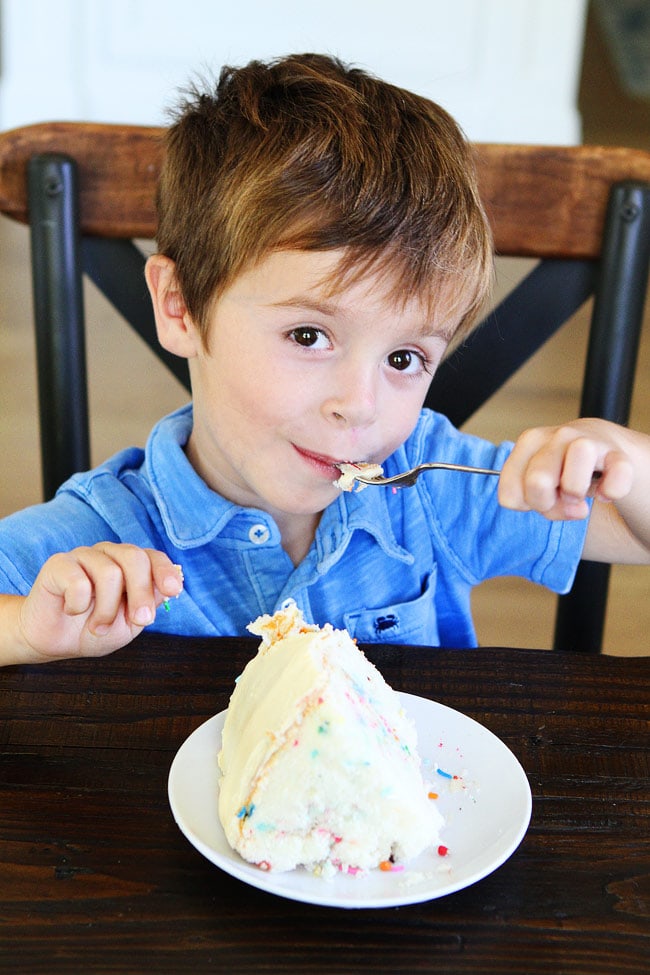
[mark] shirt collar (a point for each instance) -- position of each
(191, 512)
(365, 510)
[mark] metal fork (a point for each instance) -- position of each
(408, 478)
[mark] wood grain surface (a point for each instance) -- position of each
(96, 877)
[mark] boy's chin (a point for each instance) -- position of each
(312, 503)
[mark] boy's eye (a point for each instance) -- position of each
(308, 336)
(406, 361)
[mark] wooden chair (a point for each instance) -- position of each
(87, 191)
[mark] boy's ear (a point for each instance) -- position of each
(176, 330)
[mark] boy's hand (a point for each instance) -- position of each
(553, 470)
(91, 601)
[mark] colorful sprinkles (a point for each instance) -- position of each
(389, 867)
(246, 811)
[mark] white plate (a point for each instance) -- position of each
(487, 810)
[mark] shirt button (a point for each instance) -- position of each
(259, 534)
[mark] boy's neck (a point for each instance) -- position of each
(297, 533)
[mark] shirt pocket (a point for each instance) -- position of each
(412, 622)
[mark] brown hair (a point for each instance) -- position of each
(307, 153)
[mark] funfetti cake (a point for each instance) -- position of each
(319, 761)
(350, 472)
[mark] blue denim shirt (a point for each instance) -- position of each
(391, 566)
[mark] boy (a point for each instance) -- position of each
(321, 246)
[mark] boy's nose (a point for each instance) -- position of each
(355, 403)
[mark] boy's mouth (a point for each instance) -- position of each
(328, 465)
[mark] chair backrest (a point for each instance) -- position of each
(87, 191)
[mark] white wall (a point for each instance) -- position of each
(507, 69)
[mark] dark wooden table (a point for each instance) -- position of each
(96, 877)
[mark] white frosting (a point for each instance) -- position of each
(350, 473)
(319, 760)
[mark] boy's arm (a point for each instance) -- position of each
(87, 602)
(551, 469)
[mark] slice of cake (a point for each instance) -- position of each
(319, 761)
(350, 472)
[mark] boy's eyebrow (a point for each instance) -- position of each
(443, 332)
(324, 307)
(309, 302)
(430, 331)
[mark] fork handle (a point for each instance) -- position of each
(440, 465)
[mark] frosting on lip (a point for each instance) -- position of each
(347, 470)
(350, 472)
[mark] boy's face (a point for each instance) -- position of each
(297, 380)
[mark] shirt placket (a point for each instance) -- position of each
(267, 565)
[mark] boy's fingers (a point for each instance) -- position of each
(147, 578)
(552, 471)
(167, 576)
(138, 582)
(577, 461)
(617, 478)
(527, 477)
(63, 576)
(108, 580)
